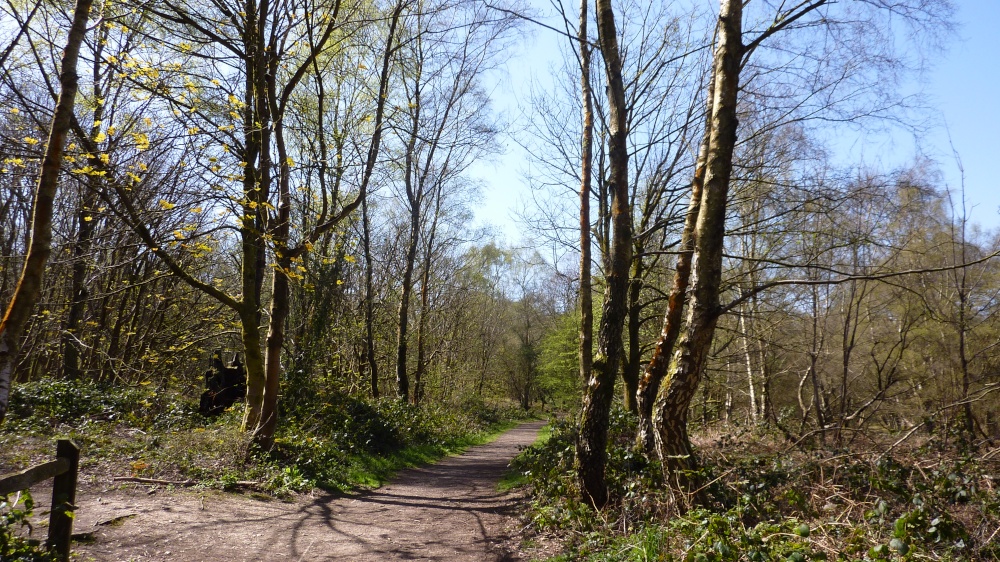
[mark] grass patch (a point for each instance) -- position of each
(515, 477)
(332, 441)
(326, 439)
(373, 470)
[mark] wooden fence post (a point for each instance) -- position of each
(64, 500)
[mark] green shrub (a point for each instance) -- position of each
(767, 501)
(48, 403)
(14, 521)
(326, 438)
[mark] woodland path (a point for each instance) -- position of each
(448, 511)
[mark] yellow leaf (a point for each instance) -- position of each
(166, 205)
(141, 141)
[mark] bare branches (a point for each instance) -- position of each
(846, 279)
(781, 21)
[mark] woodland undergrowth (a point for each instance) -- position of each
(931, 498)
(328, 439)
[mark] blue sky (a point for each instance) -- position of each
(965, 87)
(962, 87)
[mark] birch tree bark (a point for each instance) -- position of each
(731, 54)
(652, 378)
(672, 443)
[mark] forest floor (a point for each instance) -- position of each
(448, 511)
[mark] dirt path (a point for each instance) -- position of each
(450, 511)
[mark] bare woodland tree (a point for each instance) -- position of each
(592, 445)
(731, 55)
(26, 294)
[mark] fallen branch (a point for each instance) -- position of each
(114, 521)
(185, 483)
(153, 481)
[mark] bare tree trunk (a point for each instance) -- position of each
(649, 384)
(78, 288)
(256, 185)
(961, 279)
(28, 287)
(418, 375)
(373, 151)
(369, 302)
(586, 164)
(766, 407)
(673, 444)
(85, 232)
(963, 357)
(748, 359)
(255, 366)
(280, 291)
(591, 449)
(813, 358)
(630, 371)
(402, 378)
(851, 313)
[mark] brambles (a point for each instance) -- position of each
(771, 501)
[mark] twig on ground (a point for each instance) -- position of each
(185, 483)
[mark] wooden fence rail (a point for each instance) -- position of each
(63, 471)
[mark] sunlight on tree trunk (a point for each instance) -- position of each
(591, 449)
(649, 383)
(28, 288)
(672, 442)
(586, 298)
